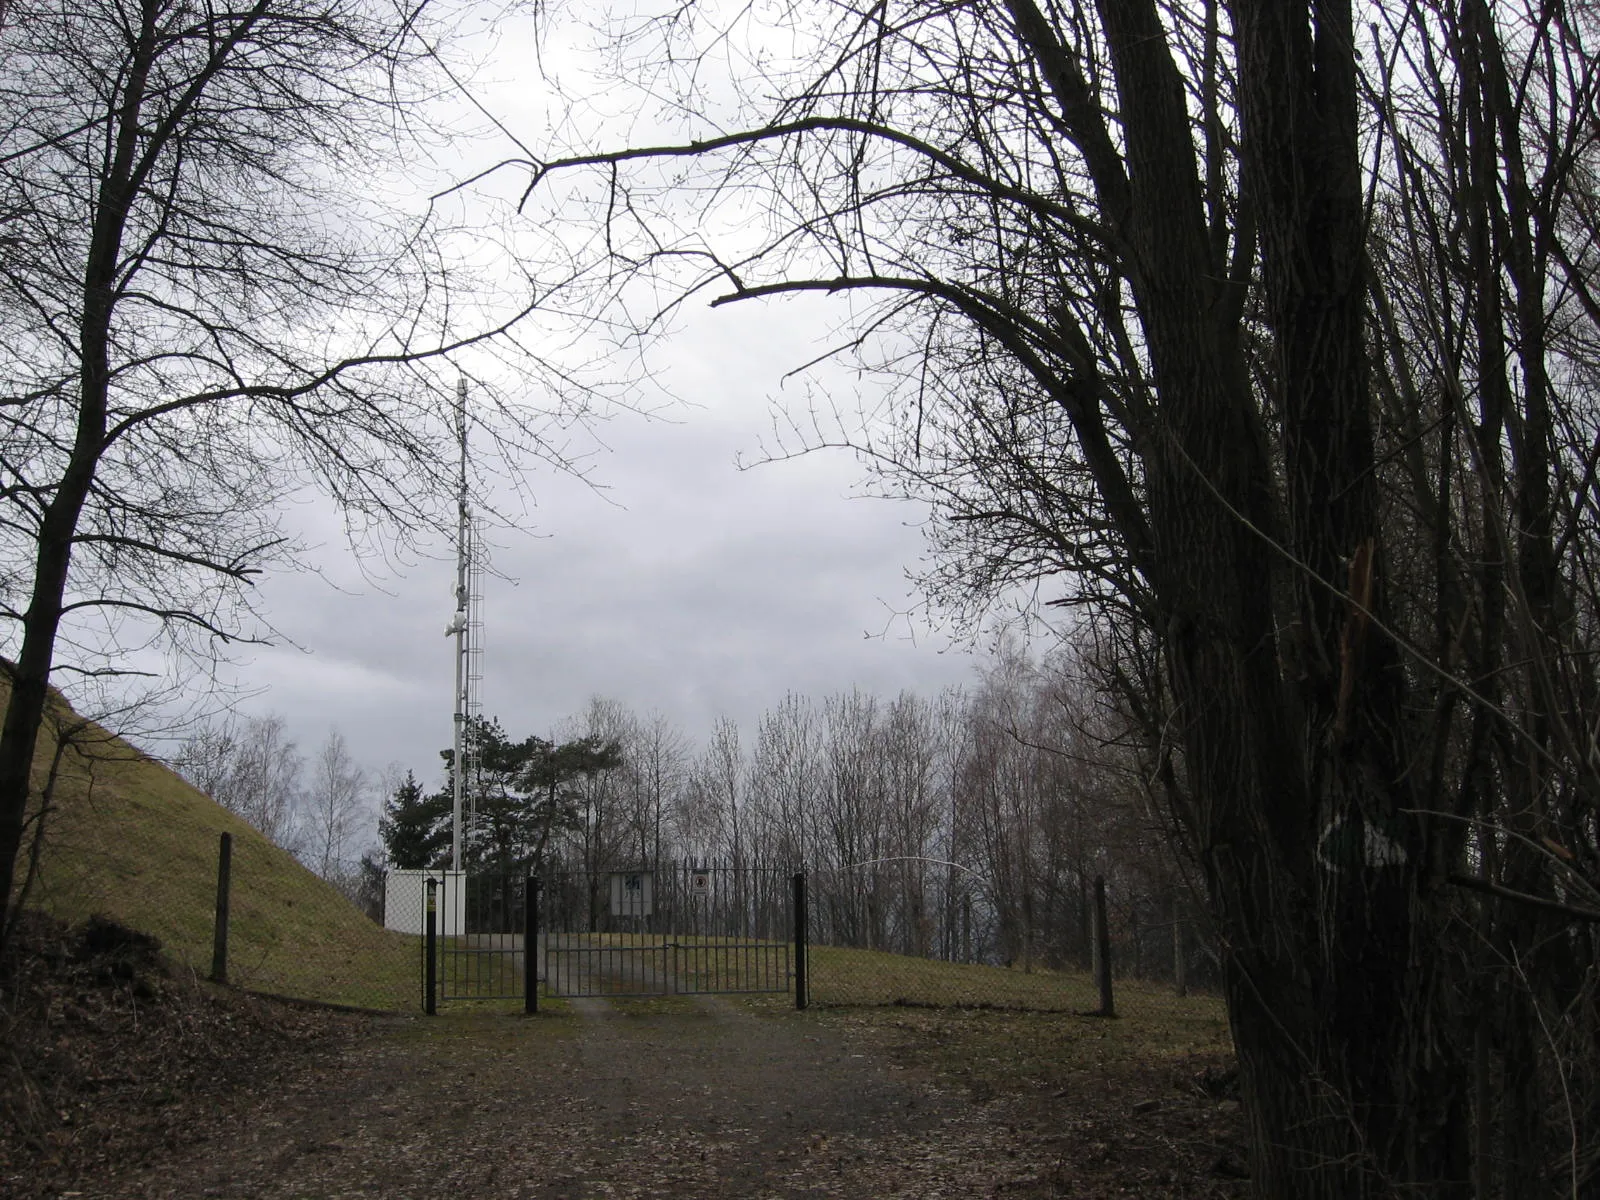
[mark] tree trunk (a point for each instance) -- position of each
(1180, 961)
(1299, 780)
(58, 525)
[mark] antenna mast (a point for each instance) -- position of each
(467, 628)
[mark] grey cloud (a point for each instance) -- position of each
(698, 590)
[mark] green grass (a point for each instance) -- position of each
(130, 840)
(991, 1027)
(990, 1052)
(841, 976)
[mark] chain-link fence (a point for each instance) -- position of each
(881, 936)
(148, 858)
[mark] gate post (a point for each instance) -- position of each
(530, 947)
(800, 942)
(430, 948)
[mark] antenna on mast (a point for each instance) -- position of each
(467, 628)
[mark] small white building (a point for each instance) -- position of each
(405, 897)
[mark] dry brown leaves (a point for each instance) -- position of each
(109, 1058)
(139, 1085)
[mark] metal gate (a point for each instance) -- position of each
(481, 926)
(680, 929)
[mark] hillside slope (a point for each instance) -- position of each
(127, 838)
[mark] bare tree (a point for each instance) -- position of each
(721, 780)
(656, 755)
(1486, 396)
(334, 810)
(1124, 256)
(203, 315)
(997, 811)
(252, 769)
(601, 797)
(785, 775)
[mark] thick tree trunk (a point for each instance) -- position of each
(18, 737)
(1286, 687)
(30, 679)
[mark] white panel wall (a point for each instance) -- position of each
(404, 895)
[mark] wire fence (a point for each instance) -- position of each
(853, 977)
(877, 939)
(356, 938)
(288, 932)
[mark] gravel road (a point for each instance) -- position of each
(713, 1101)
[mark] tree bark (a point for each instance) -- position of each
(1348, 1093)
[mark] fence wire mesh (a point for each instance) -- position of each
(883, 935)
(290, 932)
(901, 934)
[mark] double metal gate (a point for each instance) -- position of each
(679, 930)
(682, 929)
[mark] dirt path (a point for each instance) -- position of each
(603, 1102)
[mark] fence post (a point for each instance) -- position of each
(530, 948)
(801, 943)
(1102, 949)
(1180, 961)
(219, 936)
(430, 948)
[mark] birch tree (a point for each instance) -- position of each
(334, 810)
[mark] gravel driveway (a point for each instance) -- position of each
(704, 1101)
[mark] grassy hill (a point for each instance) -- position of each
(129, 839)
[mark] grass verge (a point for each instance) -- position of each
(845, 977)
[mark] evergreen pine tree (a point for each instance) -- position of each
(415, 827)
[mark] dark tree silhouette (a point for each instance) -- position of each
(415, 826)
(1339, 519)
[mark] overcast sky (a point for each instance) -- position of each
(687, 586)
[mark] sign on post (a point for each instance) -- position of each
(632, 894)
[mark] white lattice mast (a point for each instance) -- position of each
(472, 752)
(467, 628)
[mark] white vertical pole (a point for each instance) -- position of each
(459, 627)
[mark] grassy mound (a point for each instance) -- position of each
(127, 838)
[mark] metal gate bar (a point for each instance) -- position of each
(480, 948)
(664, 965)
(686, 930)
(730, 968)
(481, 966)
(586, 965)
